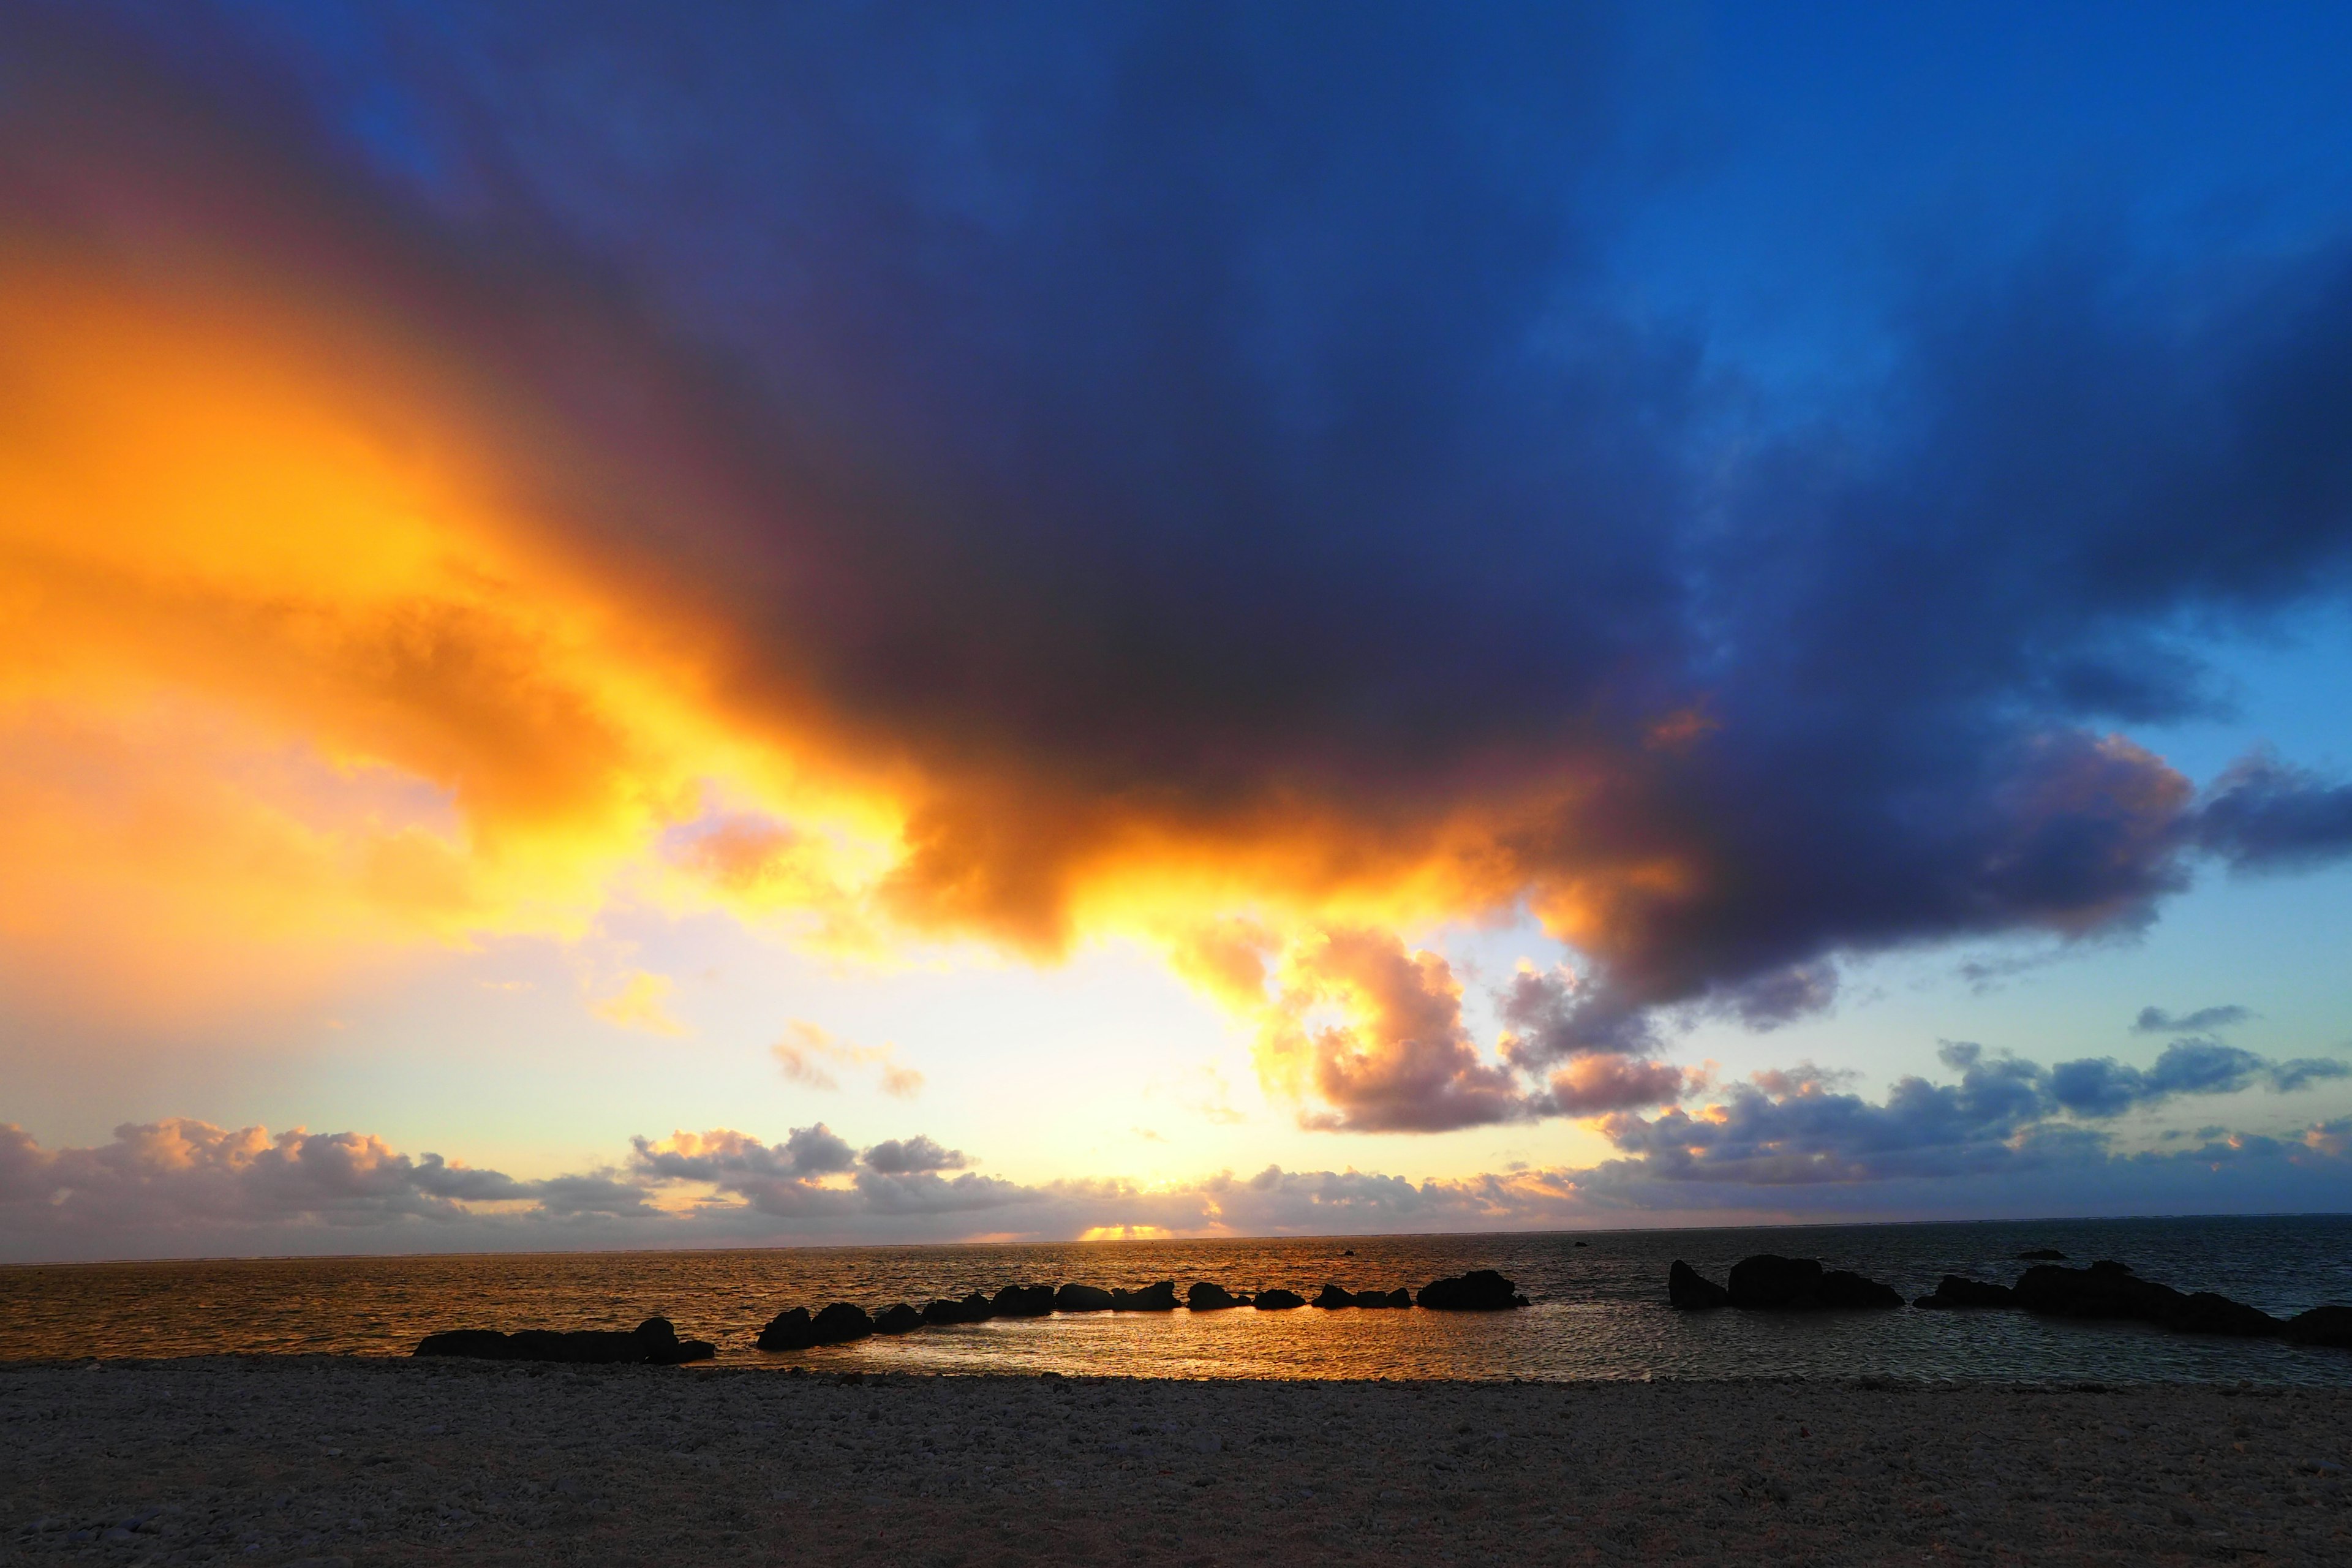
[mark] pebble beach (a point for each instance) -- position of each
(350, 1461)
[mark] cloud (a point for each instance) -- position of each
(1088, 472)
(638, 1004)
(1399, 1058)
(805, 1050)
(898, 1157)
(1790, 1143)
(2262, 814)
(2156, 1021)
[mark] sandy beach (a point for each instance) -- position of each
(356, 1460)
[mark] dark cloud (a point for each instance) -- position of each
(903, 1156)
(2156, 1021)
(1217, 429)
(2264, 815)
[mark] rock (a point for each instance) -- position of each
(2205, 1312)
(1397, 1298)
(654, 1340)
(1845, 1289)
(1208, 1296)
(1332, 1296)
(840, 1323)
(1277, 1301)
(1082, 1298)
(1023, 1301)
(1580, 1244)
(2330, 1326)
(664, 1348)
(1480, 1291)
(2109, 1289)
(788, 1332)
(1160, 1298)
(898, 1320)
(2042, 1255)
(1953, 1290)
(973, 1309)
(1769, 1282)
(1687, 1290)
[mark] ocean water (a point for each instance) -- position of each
(1598, 1304)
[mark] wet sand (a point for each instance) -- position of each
(354, 1460)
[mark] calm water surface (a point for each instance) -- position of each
(1599, 1308)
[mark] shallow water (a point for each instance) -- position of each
(1599, 1308)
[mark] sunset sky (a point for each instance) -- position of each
(648, 627)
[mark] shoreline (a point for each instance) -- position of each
(318, 1458)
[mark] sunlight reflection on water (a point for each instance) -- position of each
(1599, 1311)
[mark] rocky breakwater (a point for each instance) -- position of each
(2110, 1289)
(1480, 1291)
(1334, 1296)
(1208, 1296)
(1771, 1283)
(652, 1343)
(838, 1324)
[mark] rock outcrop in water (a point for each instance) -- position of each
(2042, 1255)
(2110, 1289)
(1687, 1290)
(839, 1324)
(1082, 1298)
(898, 1320)
(1954, 1291)
(652, 1342)
(788, 1330)
(1208, 1296)
(1160, 1298)
(1480, 1291)
(973, 1309)
(1845, 1290)
(1397, 1298)
(2330, 1326)
(1768, 1283)
(1023, 1301)
(1277, 1301)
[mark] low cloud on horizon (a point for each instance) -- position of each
(1787, 1144)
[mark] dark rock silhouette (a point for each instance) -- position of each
(1277, 1301)
(840, 1323)
(789, 1330)
(1208, 1296)
(1160, 1298)
(664, 1348)
(1769, 1282)
(652, 1341)
(1082, 1298)
(2109, 1289)
(2330, 1326)
(971, 1308)
(1348, 1252)
(1953, 1290)
(1397, 1298)
(1331, 1296)
(1687, 1290)
(898, 1320)
(1580, 1244)
(1480, 1291)
(1845, 1289)
(2042, 1255)
(1023, 1301)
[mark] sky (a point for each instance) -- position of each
(875, 622)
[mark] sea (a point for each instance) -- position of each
(1598, 1305)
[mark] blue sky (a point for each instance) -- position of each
(1528, 618)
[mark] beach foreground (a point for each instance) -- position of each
(361, 1460)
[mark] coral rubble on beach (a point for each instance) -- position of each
(280, 1460)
